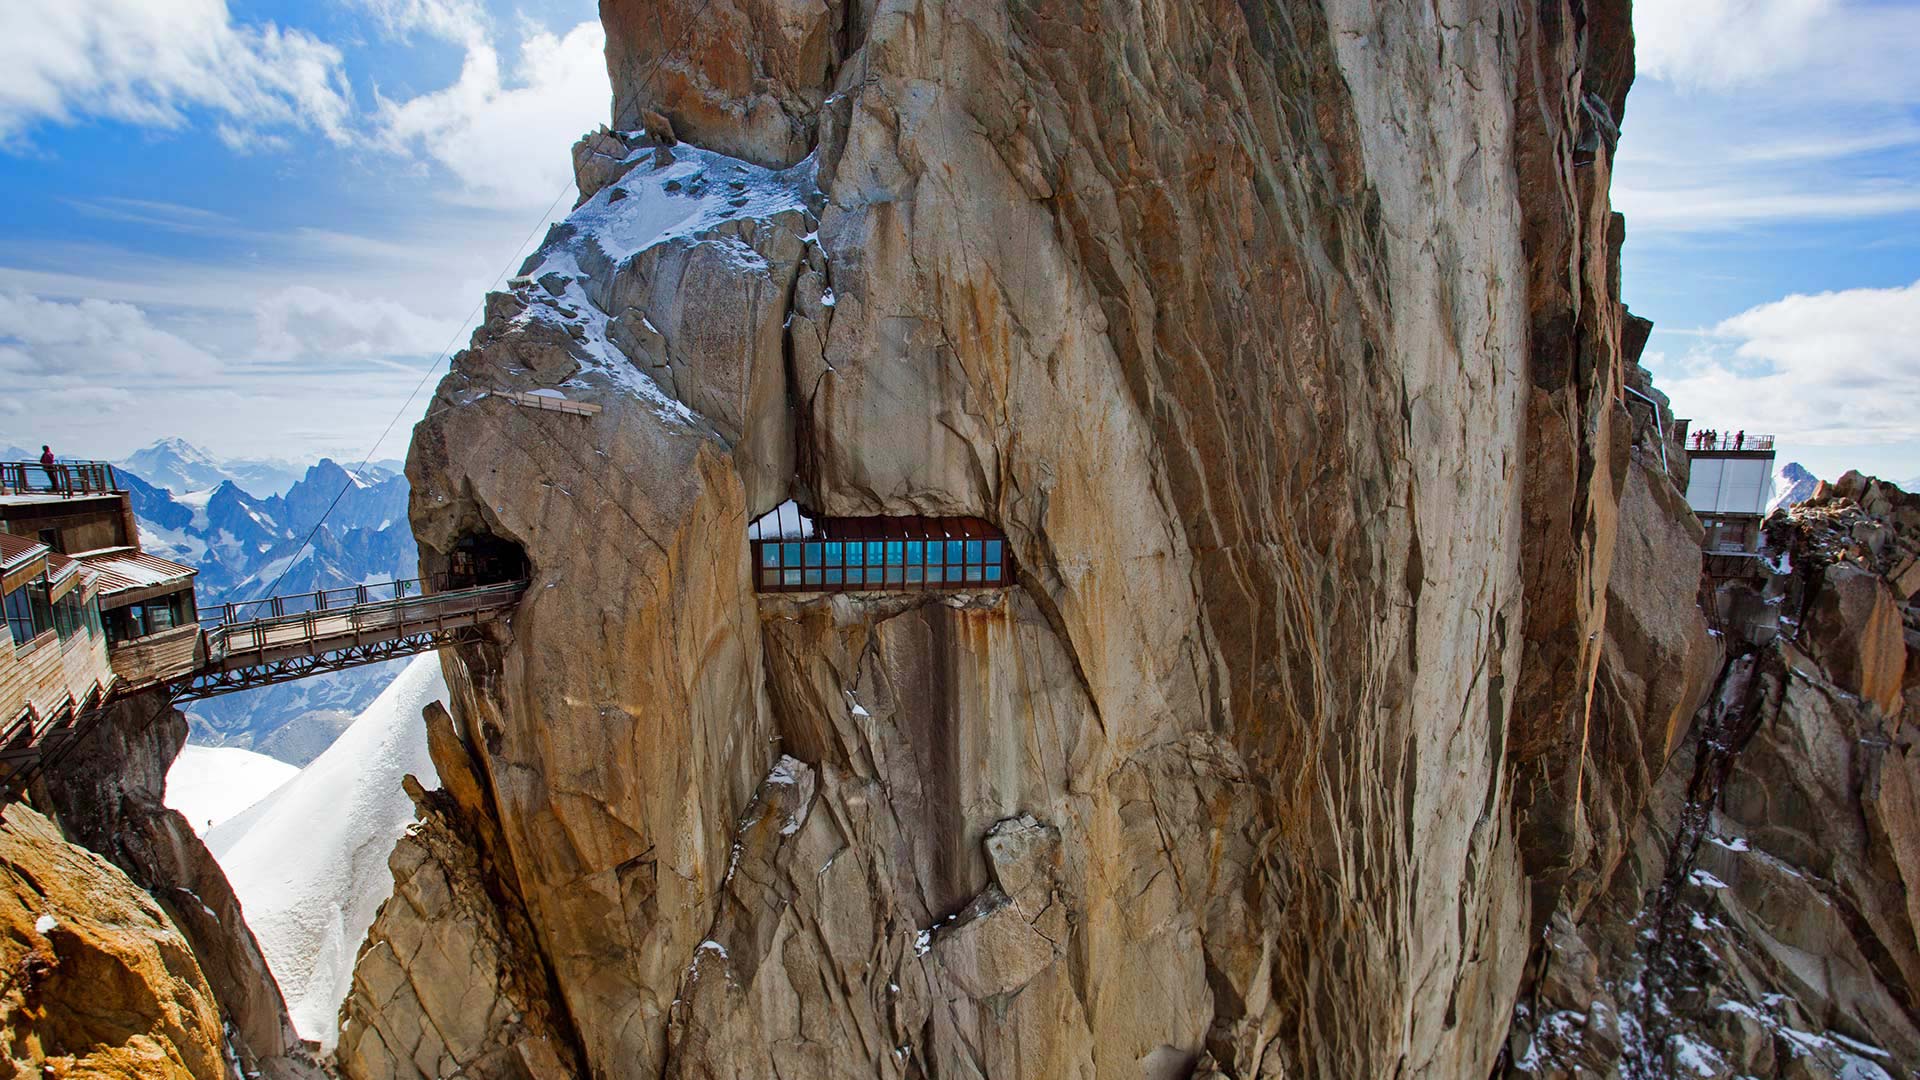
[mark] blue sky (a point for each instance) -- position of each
(1769, 169)
(257, 224)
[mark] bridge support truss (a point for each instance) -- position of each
(210, 682)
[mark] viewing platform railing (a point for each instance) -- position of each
(1730, 442)
(61, 478)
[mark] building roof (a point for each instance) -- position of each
(60, 567)
(17, 550)
(126, 571)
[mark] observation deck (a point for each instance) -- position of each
(794, 552)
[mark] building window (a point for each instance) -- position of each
(29, 611)
(137, 620)
(19, 616)
(795, 552)
(67, 615)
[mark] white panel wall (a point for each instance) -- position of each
(1730, 485)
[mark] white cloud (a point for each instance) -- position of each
(1845, 49)
(303, 322)
(463, 22)
(1760, 112)
(150, 61)
(505, 141)
(1836, 368)
(44, 338)
(1723, 205)
(1724, 42)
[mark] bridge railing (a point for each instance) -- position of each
(284, 620)
(60, 478)
(295, 604)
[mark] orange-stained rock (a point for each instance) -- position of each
(100, 982)
(1853, 629)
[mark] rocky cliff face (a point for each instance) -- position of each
(1762, 923)
(1284, 343)
(99, 981)
(107, 794)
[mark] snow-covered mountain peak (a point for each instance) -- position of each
(1792, 483)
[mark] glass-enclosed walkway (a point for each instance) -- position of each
(795, 552)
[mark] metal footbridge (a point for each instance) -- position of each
(262, 642)
(282, 638)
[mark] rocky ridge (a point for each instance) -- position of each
(1352, 714)
(1762, 923)
(1287, 349)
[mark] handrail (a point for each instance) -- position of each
(1739, 441)
(221, 635)
(66, 478)
(246, 611)
(1659, 425)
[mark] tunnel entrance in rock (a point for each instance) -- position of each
(794, 551)
(485, 559)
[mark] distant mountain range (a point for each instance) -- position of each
(244, 544)
(178, 466)
(242, 523)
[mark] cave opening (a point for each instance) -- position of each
(482, 558)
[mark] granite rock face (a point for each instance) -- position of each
(1760, 921)
(100, 981)
(449, 980)
(1285, 345)
(107, 794)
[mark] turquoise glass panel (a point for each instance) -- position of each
(876, 552)
(792, 577)
(916, 574)
(993, 551)
(813, 577)
(973, 551)
(854, 576)
(833, 556)
(954, 551)
(993, 571)
(835, 577)
(790, 556)
(769, 554)
(973, 573)
(914, 549)
(896, 552)
(893, 575)
(934, 574)
(813, 554)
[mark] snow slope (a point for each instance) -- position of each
(309, 862)
(209, 784)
